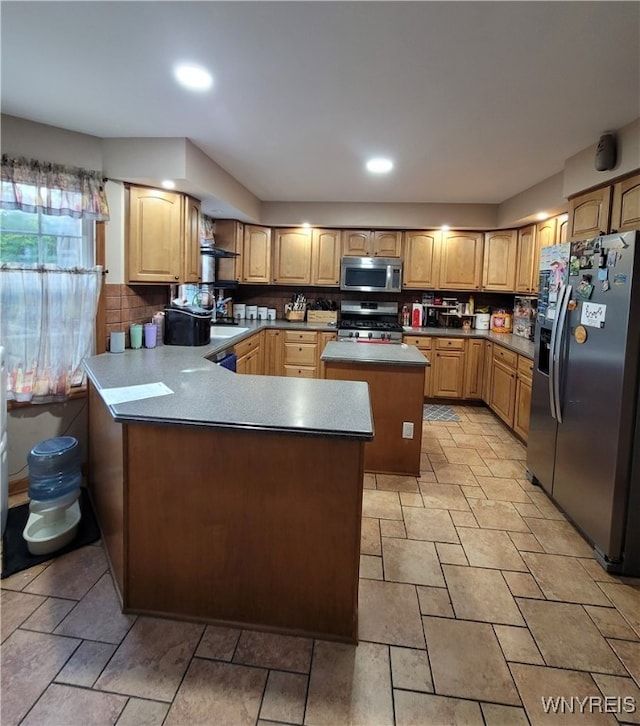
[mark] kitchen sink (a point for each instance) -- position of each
(226, 331)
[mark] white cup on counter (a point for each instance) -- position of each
(262, 313)
(271, 313)
(239, 311)
(252, 312)
(116, 341)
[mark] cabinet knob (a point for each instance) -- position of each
(176, 277)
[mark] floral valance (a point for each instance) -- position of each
(31, 186)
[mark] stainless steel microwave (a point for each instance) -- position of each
(371, 274)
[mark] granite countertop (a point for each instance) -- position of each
(350, 352)
(206, 395)
(515, 343)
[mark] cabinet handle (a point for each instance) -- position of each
(176, 277)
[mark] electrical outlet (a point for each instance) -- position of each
(407, 430)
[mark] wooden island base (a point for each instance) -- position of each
(238, 527)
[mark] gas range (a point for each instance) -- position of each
(369, 322)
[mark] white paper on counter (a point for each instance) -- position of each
(122, 394)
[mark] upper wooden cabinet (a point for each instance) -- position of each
(500, 260)
(367, 242)
(589, 214)
(292, 256)
(229, 236)
(421, 259)
(547, 233)
(162, 236)
(461, 260)
(325, 257)
(625, 211)
(256, 256)
(526, 272)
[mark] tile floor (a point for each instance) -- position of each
(477, 600)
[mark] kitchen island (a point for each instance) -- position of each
(395, 374)
(233, 499)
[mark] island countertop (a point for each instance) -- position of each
(391, 354)
(207, 395)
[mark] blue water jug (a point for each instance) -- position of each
(54, 468)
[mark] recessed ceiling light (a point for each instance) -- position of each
(445, 228)
(193, 77)
(379, 166)
(306, 225)
(168, 184)
(541, 215)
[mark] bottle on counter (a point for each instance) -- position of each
(405, 315)
(471, 305)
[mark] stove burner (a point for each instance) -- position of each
(369, 325)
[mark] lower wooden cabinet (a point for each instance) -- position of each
(323, 339)
(425, 346)
(447, 374)
(474, 369)
(300, 353)
(274, 352)
(502, 398)
(522, 409)
(249, 355)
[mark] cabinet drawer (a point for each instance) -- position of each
(450, 343)
(420, 341)
(299, 354)
(525, 368)
(299, 371)
(508, 357)
(246, 346)
(300, 336)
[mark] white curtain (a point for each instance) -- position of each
(47, 317)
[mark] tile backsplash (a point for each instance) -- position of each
(127, 304)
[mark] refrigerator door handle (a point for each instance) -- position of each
(557, 353)
(552, 356)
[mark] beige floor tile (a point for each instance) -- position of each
(86, 664)
(522, 584)
(503, 489)
(506, 468)
(138, 712)
(388, 612)
(425, 464)
(510, 450)
(369, 481)
(410, 669)
(434, 525)
(16, 608)
(473, 492)
(479, 470)
(98, 615)
(432, 445)
(627, 601)
(435, 601)
(536, 683)
(271, 650)
(371, 567)
(411, 560)
(463, 519)
(629, 654)
(527, 510)
(381, 505)
(49, 615)
(396, 483)
(392, 528)
(626, 693)
(559, 538)
(490, 548)
(479, 594)
(370, 536)
(427, 475)
(518, 645)
(567, 638)
(495, 715)
(457, 455)
(562, 578)
(597, 571)
(72, 575)
(451, 554)
(525, 542)
(152, 659)
(422, 708)
(439, 459)
(545, 506)
(443, 496)
(20, 580)
(30, 661)
(349, 685)
(473, 441)
(411, 499)
(61, 704)
(453, 473)
(284, 697)
(479, 672)
(218, 693)
(497, 515)
(469, 427)
(218, 643)
(610, 623)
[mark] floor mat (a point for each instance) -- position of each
(15, 553)
(435, 412)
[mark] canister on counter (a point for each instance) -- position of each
(501, 322)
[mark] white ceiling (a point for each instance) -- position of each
(474, 101)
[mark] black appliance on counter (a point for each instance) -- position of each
(369, 322)
(187, 327)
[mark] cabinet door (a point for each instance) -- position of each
(323, 339)
(325, 257)
(421, 259)
(292, 256)
(154, 236)
(386, 244)
(474, 368)
(526, 280)
(499, 267)
(562, 229)
(256, 262)
(274, 353)
(589, 214)
(487, 373)
(546, 233)
(229, 237)
(522, 408)
(503, 391)
(356, 242)
(192, 240)
(447, 375)
(625, 213)
(461, 261)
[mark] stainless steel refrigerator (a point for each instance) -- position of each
(584, 432)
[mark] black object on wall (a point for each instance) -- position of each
(606, 152)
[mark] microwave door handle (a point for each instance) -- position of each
(557, 365)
